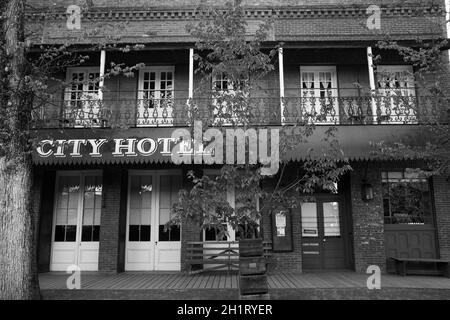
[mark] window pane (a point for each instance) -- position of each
(169, 187)
(96, 233)
(88, 217)
(406, 199)
(139, 219)
(145, 233)
(331, 219)
(60, 232)
(133, 233)
(309, 220)
(86, 233)
(71, 233)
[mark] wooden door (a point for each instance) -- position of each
(323, 236)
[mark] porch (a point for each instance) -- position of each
(224, 286)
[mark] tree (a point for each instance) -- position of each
(227, 53)
(431, 108)
(18, 275)
(24, 89)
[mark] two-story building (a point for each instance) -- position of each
(104, 178)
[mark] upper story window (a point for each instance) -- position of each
(155, 96)
(396, 93)
(406, 198)
(81, 100)
(319, 94)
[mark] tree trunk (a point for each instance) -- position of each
(18, 267)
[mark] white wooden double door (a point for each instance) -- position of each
(76, 220)
(149, 246)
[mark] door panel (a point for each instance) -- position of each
(76, 221)
(150, 198)
(323, 244)
(311, 246)
(140, 248)
(168, 246)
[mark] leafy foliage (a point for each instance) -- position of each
(227, 49)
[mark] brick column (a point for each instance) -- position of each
(109, 229)
(368, 219)
(442, 208)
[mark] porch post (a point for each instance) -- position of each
(281, 74)
(191, 73)
(102, 74)
(372, 83)
(447, 22)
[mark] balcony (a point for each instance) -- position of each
(176, 112)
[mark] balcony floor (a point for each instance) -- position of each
(224, 286)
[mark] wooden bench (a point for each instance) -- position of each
(402, 266)
(217, 255)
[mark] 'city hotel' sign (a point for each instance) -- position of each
(204, 147)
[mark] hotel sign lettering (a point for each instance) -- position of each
(213, 146)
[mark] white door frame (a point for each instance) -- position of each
(154, 248)
(78, 245)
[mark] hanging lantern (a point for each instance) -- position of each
(366, 191)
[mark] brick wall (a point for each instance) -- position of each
(442, 207)
(110, 217)
(368, 221)
(190, 3)
(289, 25)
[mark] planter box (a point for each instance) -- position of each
(250, 285)
(252, 266)
(251, 248)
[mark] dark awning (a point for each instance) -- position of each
(153, 145)
(357, 141)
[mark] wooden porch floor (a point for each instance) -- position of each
(218, 280)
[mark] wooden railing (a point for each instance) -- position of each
(216, 255)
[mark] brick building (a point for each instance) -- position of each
(103, 199)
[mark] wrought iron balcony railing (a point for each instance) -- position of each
(348, 110)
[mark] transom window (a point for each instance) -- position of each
(406, 198)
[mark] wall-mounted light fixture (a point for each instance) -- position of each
(366, 191)
(366, 187)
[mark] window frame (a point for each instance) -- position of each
(429, 183)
